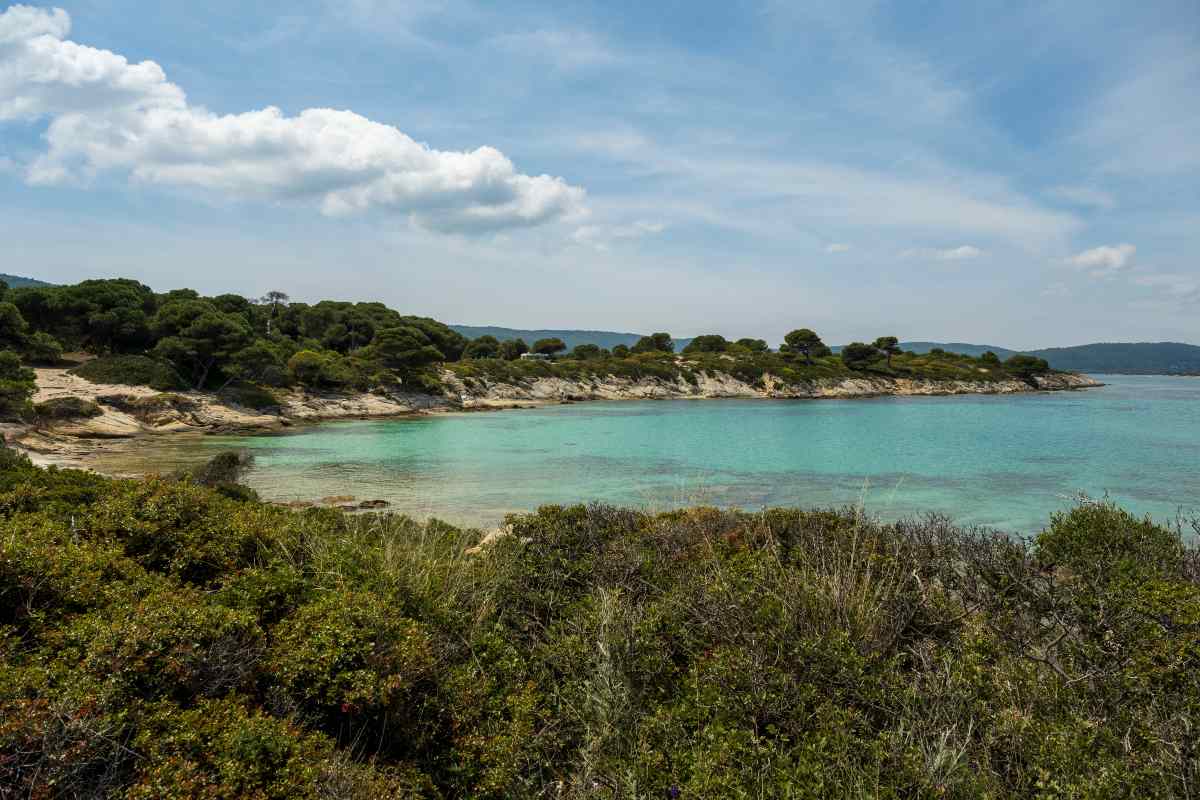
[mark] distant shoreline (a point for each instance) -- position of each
(128, 414)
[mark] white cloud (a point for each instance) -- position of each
(837, 247)
(964, 252)
(1086, 196)
(1104, 261)
(109, 115)
(602, 236)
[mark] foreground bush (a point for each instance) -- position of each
(162, 639)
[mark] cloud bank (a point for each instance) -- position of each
(108, 115)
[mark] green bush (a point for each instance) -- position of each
(131, 371)
(250, 396)
(158, 639)
(1100, 536)
(60, 408)
(17, 385)
(222, 748)
(168, 644)
(349, 654)
(42, 348)
(319, 370)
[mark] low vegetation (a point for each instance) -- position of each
(165, 639)
(62, 408)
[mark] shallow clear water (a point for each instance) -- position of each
(1003, 461)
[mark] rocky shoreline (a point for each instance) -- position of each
(126, 414)
(481, 393)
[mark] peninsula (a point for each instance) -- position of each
(114, 360)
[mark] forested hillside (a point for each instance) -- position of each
(1146, 358)
(17, 282)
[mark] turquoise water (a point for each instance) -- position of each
(1003, 461)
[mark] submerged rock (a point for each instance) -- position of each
(374, 504)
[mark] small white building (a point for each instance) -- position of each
(534, 357)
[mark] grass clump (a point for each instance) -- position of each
(131, 370)
(162, 639)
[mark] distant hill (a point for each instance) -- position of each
(608, 339)
(1146, 358)
(958, 347)
(17, 282)
(1140, 358)
(1130, 358)
(965, 349)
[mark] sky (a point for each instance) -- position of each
(1022, 174)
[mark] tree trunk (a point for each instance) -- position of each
(204, 374)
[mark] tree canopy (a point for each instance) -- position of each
(889, 346)
(708, 343)
(654, 343)
(550, 346)
(858, 355)
(805, 342)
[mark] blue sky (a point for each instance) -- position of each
(1023, 174)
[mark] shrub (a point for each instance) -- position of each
(17, 385)
(221, 748)
(170, 643)
(1099, 536)
(318, 370)
(349, 654)
(42, 348)
(857, 355)
(153, 408)
(1026, 367)
(182, 529)
(60, 408)
(251, 396)
(160, 640)
(131, 371)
